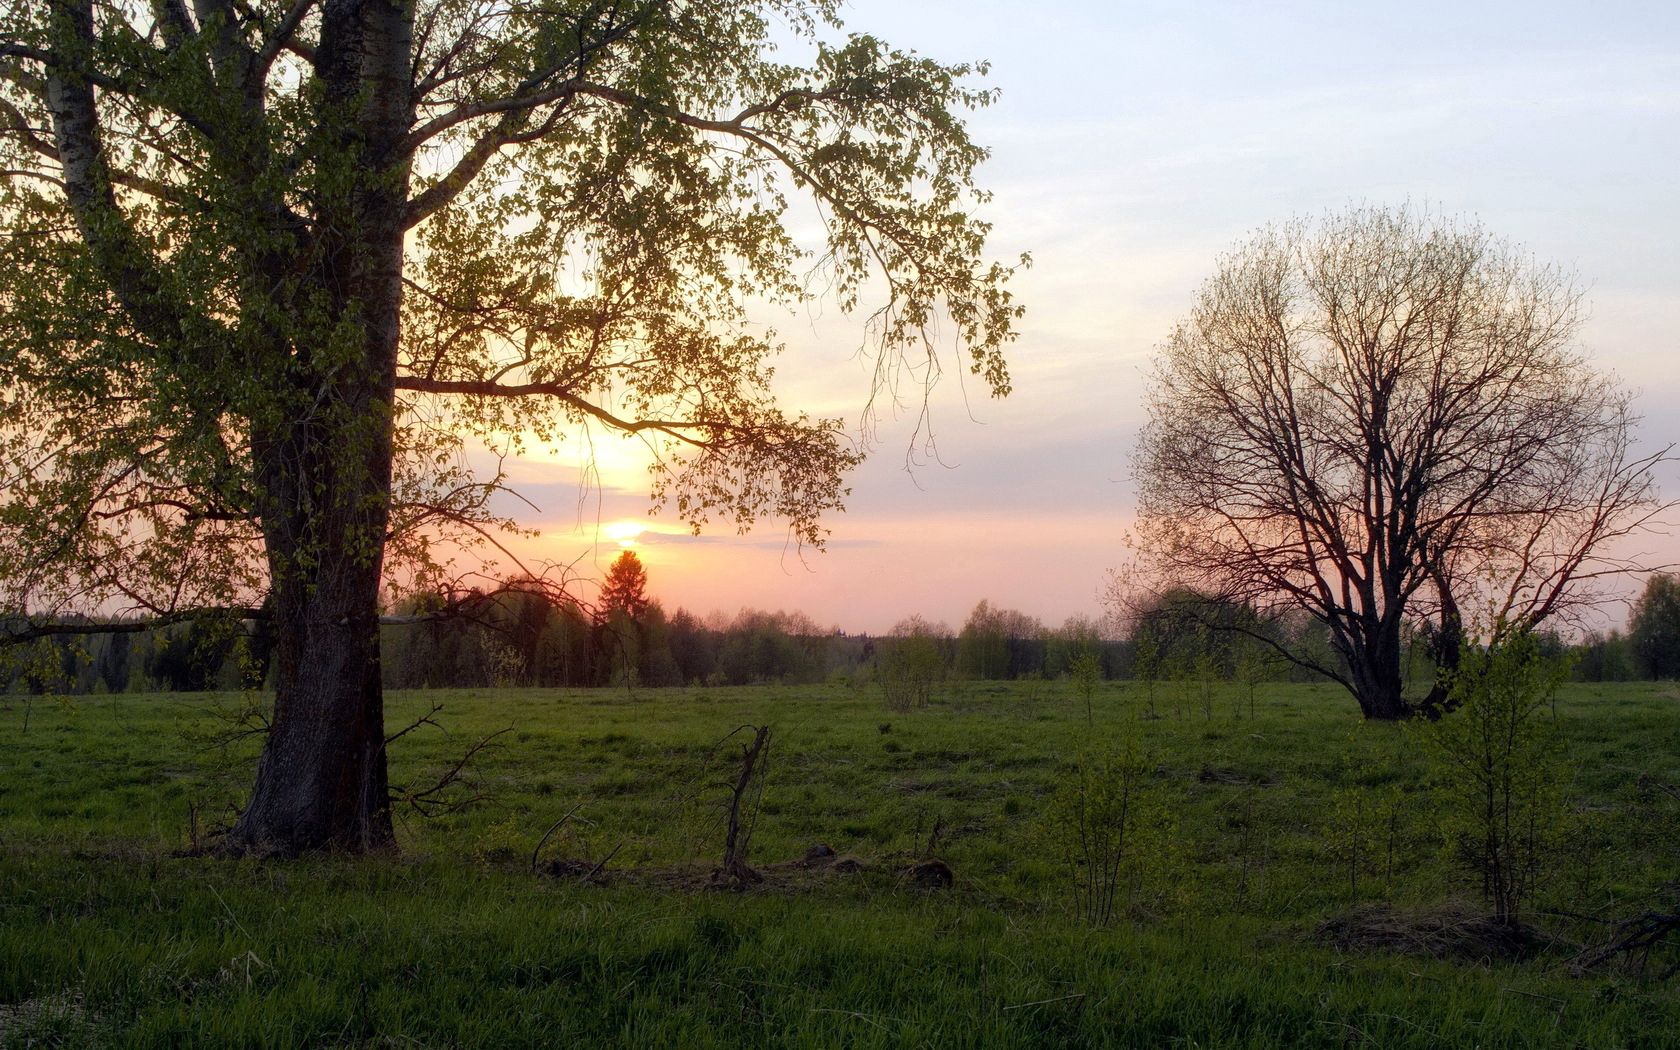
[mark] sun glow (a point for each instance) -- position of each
(623, 533)
(599, 461)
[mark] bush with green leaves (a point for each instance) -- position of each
(1500, 770)
(1369, 827)
(909, 664)
(1108, 826)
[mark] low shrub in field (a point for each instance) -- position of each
(1500, 800)
(1368, 824)
(909, 665)
(1086, 675)
(1107, 825)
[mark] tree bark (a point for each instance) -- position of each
(326, 488)
(1446, 647)
(1373, 659)
(325, 471)
(1382, 700)
(321, 782)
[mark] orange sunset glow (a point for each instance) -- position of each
(623, 533)
(1026, 500)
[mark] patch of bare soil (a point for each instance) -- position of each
(1442, 933)
(932, 874)
(819, 855)
(573, 868)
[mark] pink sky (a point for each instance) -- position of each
(1133, 144)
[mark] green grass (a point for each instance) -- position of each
(107, 937)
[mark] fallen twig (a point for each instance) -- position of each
(430, 802)
(424, 720)
(552, 828)
(596, 870)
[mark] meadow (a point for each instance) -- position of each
(1286, 883)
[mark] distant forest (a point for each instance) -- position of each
(522, 640)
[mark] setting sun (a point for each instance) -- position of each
(623, 533)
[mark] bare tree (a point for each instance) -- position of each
(1381, 419)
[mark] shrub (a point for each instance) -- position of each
(1500, 769)
(1108, 826)
(909, 664)
(1086, 674)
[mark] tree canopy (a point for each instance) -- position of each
(272, 269)
(1654, 627)
(1381, 419)
(625, 588)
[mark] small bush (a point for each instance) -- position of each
(1086, 674)
(1500, 770)
(909, 665)
(1107, 825)
(1369, 830)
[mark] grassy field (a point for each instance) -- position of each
(1254, 833)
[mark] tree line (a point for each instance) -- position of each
(524, 639)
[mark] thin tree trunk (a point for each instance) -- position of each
(1447, 649)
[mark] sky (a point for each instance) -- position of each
(1133, 144)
